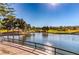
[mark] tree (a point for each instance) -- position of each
(28, 26)
(6, 12)
(1, 24)
(45, 28)
(9, 19)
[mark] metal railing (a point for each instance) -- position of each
(54, 49)
(46, 48)
(43, 47)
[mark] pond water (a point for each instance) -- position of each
(63, 41)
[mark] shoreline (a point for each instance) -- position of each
(16, 33)
(57, 33)
(29, 33)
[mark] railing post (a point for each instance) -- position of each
(13, 35)
(35, 45)
(54, 51)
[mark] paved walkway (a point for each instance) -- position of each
(16, 49)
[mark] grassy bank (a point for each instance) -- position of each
(49, 31)
(64, 32)
(3, 31)
(13, 31)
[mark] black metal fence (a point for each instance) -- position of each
(51, 49)
(45, 48)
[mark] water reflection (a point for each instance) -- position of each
(67, 42)
(45, 35)
(48, 49)
(22, 40)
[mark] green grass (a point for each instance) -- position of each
(3, 31)
(68, 31)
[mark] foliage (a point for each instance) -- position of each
(9, 20)
(5, 10)
(14, 23)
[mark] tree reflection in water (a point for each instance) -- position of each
(45, 35)
(23, 39)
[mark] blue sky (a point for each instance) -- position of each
(46, 14)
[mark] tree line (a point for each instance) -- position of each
(58, 28)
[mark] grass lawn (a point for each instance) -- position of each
(3, 31)
(68, 31)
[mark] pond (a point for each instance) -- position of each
(63, 41)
